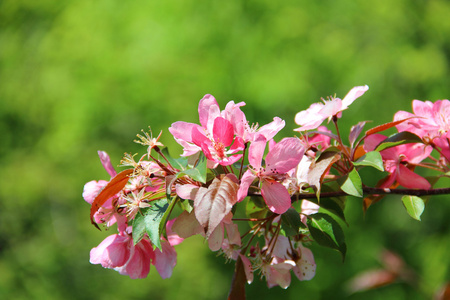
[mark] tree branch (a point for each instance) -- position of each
(372, 191)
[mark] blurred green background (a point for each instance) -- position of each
(81, 76)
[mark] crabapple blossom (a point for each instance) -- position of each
(399, 160)
(282, 158)
(312, 117)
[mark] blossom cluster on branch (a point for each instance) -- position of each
(245, 193)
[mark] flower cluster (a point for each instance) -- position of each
(245, 193)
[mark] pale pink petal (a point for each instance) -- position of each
(423, 108)
(112, 252)
(92, 189)
(271, 129)
(332, 107)
(173, 238)
(183, 130)
(138, 266)
(246, 181)
(188, 148)
(310, 118)
(353, 94)
(276, 196)
(415, 153)
(256, 151)
(279, 274)
(411, 180)
(208, 110)
(285, 156)
(305, 268)
(165, 260)
(106, 162)
(308, 208)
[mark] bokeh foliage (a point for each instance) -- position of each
(81, 76)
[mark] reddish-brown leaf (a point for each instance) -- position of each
(212, 204)
(112, 188)
(385, 126)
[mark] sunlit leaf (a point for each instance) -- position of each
(112, 188)
(198, 173)
(178, 163)
(353, 184)
(371, 159)
(414, 206)
(148, 221)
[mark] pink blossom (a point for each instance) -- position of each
(244, 130)
(108, 211)
(396, 161)
(312, 117)
(285, 257)
(214, 136)
(165, 259)
(118, 252)
(283, 157)
(429, 119)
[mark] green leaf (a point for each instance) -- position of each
(291, 223)
(414, 206)
(335, 205)
(256, 208)
(353, 184)
(396, 139)
(327, 232)
(198, 173)
(147, 220)
(371, 159)
(179, 163)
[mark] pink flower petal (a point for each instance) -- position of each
(411, 180)
(208, 110)
(276, 196)
(285, 156)
(353, 94)
(165, 260)
(223, 131)
(106, 162)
